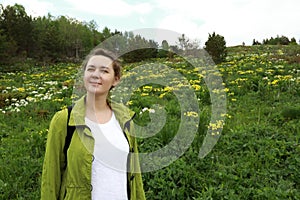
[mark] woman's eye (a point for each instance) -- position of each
(90, 69)
(104, 71)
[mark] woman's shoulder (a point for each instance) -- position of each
(60, 115)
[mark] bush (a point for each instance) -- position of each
(216, 47)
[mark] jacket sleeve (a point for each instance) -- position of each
(54, 157)
(140, 194)
(137, 189)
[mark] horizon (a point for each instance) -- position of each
(237, 21)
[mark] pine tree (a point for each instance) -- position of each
(216, 47)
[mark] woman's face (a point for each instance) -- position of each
(99, 75)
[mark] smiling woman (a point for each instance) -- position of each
(99, 76)
(95, 165)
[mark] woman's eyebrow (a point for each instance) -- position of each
(104, 67)
(101, 67)
(91, 66)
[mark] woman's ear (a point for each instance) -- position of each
(116, 81)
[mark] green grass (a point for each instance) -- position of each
(256, 157)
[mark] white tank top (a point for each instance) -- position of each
(109, 167)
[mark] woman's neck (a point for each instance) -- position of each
(96, 103)
(97, 108)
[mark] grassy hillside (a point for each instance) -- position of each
(257, 155)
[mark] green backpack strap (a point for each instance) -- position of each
(70, 131)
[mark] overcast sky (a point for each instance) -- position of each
(237, 20)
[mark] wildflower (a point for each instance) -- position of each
(147, 88)
(226, 89)
(144, 94)
(168, 89)
(63, 107)
(215, 127)
(150, 110)
(30, 99)
(162, 95)
(226, 115)
(196, 87)
(58, 100)
(21, 89)
(274, 82)
(191, 114)
(129, 103)
(265, 78)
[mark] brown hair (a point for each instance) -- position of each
(103, 52)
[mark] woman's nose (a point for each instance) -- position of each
(96, 74)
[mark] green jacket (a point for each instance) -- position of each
(75, 181)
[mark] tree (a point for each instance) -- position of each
(293, 41)
(139, 48)
(7, 48)
(47, 38)
(256, 42)
(17, 26)
(183, 42)
(188, 47)
(216, 47)
(164, 51)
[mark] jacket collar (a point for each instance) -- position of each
(77, 116)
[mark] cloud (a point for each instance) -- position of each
(115, 8)
(181, 25)
(34, 8)
(237, 20)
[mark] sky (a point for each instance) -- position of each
(237, 20)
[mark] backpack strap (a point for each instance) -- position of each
(70, 131)
(127, 124)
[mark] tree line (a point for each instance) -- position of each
(278, 40)
(56, 39)
(49, 39)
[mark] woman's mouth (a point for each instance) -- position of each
(95, 83)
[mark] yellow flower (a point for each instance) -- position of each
(226, 89)
(168, 89)
(63, 107)
(147, 88)
(274, 82)
(216, 126)
(58, 100)
(226, 115)
(162, 95)
(196, 87)
(191, 114)
(21, 89)
(129, 103)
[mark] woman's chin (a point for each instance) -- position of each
(97, 91)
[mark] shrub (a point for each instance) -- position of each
(216, 47)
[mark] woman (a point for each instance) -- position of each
(97, 164)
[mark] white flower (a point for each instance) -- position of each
(144, 109)
(151, 110)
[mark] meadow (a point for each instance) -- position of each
(257, 155)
